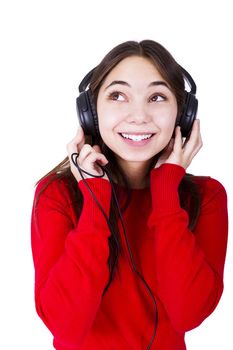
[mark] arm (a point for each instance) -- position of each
(189, 266)
(71, 269)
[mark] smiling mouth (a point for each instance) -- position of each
(137, 136)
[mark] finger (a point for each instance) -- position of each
(96, 157)
(79, 137)
(84, 153)
(77, 142)
(194, 141)
(97, 148)
(93, 162)
(178, 143)
(195, 130)
(168, 149)
(170, 145)
(88, 154)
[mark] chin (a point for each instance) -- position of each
(135, 158)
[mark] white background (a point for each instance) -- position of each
(46, 49)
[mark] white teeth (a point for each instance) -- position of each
(137, 137)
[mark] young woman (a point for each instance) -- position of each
(128, 248)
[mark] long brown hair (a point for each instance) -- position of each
(172, 74)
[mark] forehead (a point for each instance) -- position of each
(134, 67)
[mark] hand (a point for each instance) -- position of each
(179, 152)
(88, 158)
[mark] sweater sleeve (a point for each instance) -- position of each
(71, 269)
(189, 265)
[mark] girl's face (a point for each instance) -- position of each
(136, 110)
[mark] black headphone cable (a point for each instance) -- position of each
(74, 158)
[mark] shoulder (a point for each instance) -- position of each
(54, 188)
(209, 188)
(51, 184)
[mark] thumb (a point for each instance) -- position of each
(97, 148)
(169, 148)
(165, 153)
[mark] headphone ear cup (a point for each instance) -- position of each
(87, 113)
(189, 114)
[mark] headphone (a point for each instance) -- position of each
(88, 118)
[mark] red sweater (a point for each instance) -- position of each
(184, 269)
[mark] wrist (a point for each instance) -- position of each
(170, 174)
(164, 183)
(100, 189)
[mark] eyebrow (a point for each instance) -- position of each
(153, 83)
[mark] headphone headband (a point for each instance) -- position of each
(190, 81)
(86, 80)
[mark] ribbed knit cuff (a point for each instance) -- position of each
(101, 189)
(164, 183)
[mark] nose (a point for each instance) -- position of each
(138, 114)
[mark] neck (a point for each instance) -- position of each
(136, 173)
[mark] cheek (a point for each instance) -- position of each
(108, 117)
(166, 120)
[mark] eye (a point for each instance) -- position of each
(116, 96)
(157, 98)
